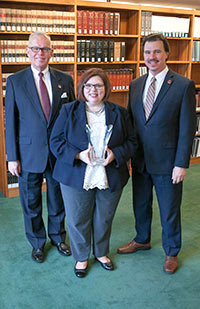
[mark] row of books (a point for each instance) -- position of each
(5, 76)
(13, 51)
(196, 147)
(14, 20)
(168, 25)
(142, 70)
(120, 78)
(196, 51)
(98, 22)
(12, 180)
(100, 51)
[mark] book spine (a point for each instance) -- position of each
(116, 23)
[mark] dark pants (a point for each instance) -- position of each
(30, 185)
(169, 197)
(89, 213)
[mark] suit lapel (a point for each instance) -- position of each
(110, 114)
(168, 81)
(56, 91)
(31, 92)
(139, 103)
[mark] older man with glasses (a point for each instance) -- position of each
(33, 100)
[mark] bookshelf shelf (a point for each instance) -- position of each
(106, 63)
(129, 31)
(112, 36)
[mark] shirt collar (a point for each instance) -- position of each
(36, 72)
(160, 75)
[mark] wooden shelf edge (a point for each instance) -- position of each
(195, 160)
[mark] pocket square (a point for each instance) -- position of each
(64, 95)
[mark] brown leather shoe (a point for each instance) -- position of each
(133, 246)
(171, 264)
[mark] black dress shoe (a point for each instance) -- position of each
(107, 266)
(38, 255)
(80, 273)
(63, 248)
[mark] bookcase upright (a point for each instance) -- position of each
(129, 32)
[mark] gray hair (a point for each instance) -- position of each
(39, 33)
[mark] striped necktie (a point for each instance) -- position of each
(44, 97)
(148, 104)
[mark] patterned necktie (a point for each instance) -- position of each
(44, 97)
(148, 105)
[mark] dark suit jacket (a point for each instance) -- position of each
(69, 138)
(165, 139)
(27, 133)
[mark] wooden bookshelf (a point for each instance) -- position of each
(129, 32)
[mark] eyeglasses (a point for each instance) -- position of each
(36, 49)
(97, 86)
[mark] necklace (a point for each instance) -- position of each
(97, 113)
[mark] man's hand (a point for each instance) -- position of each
(178, 174)
(14, 168)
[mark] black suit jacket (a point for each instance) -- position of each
(27, 132)
(165, 139)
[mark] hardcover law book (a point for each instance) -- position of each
(2, 19)
(101, 22)
(78, 50)
(2, 51)
(105, 51)
(99, 50)
(92, 50)
(23, 20)
(96, 22)
(85, 22)
(80, 21)
(107, 23)
(91, 22)
(122, 51)
(82, 50)
(8, 20)
(28, 20)
(111, 23)
(87, 50)
(117, 47)
(110, 51)
(72, 22)
(116, 23)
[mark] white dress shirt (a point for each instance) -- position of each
(159, 81)
(46, 79)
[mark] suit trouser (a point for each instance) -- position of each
(89, 213)
(30, 187)
(169, 197)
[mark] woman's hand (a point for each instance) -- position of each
(110, 156)
(85, 156)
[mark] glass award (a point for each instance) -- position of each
(98, 151)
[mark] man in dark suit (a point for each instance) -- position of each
(162, 106)
(34, 97)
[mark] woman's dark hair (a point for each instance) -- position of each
(86, 76)
(156, 37)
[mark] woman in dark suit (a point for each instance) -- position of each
(91, 189)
